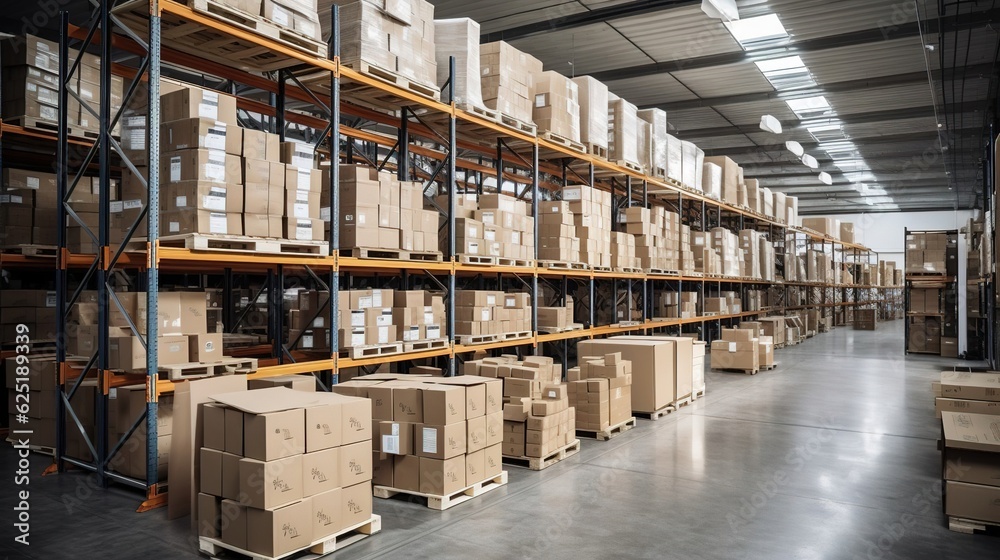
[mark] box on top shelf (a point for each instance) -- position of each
(658, 139)
(593, 112)
(556, 106)
(623, 130)
(508, 79)
(459, 38)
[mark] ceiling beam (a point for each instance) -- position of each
(911, 78)
(863, 37)
(590, 17)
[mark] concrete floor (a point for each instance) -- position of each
(832, 455)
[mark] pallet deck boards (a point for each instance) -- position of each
(425, 345)
(477, 259)
(609, 432)
(195, 370)
(363, 94)
(556, 330)
(561, 265)
(30, 250)
(970, 526)
(655, 415)
(753, 371)
(327, 545)
(392, 254)
(563, 141)
(443, 502)
(539, 463)
(371, 350)
(595, 150)
(239, 244)
(46, 126)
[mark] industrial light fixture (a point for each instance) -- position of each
(825, 178)
(756, 29)
(795, 148)
(809, 106)
(725, 10)
(770, 124)
(810, 161)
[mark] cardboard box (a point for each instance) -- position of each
(327, 513)
(653, 374)
(357, 504)
(320, 471)
(441, 477)
(972, 501)
(979, 432)
(981, 386)
(273, 421)
(396, 438)
(355, 463)
(441, 442)
(278, 532)
(271, 484)
(406, 472)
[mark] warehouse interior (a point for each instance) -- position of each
(540, 279)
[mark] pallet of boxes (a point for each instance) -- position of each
(438, 438)
(600, 390)
(483, 316)
(737, 350)
(968, 404)
(185, 347)
(492, 229)
(765, 344)
(378, 322)
(281, 471)
(538, 422)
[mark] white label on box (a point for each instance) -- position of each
(364, 302)
(430, 440)
(489, 218)
(215, 199)
(732, 347)
(132, 204)
(491, 299)
(10, 199)
(428, 317)
(209, 106)
(484, 314)
(303, 230)
(490, 234)
(324, 213)
(390, 444)
(181, 201)
(306, 27)
(509, 302)
(376, 298)
(515, 237)
(50, 299)
(473, 231)
(385, 319)
(116, 206)
(383, 335)
(303, 179)
(174, 227)
(32, 182)
(411, 334)
(358, 337)
(572, 194)
(301, 206)
(136, 140)
(433, 331)
(215, 138)
(215, 168)
(307, 341)
(175, 169)
(280, 16)
(218, 223)
(474, 248)
(550, 395)
(539, 100)
(209, 346)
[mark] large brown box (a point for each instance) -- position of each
(283, 530)
(653, 374)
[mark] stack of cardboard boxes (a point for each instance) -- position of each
(623, 251)
(825, 226)
(307, 319)
(303, 192)
(486, 313)
(557, 233)
(500, 227)
(737, 349)
(758, 255)
(728, 176)
(508, 79)
(677, 305)
(654, 367)
(459, 38)
(765, 343)
(969, 408)
(367, 318)
(280, 469)
(727, 245)
(36, 309)
(926, 253)
(435, 435)
(693, 166)
(126, 405)
(623, 131)
(298, 16)
(377, 211)
(658, 140)
(593, 114)
(28, 202)
(591, 216)
(396, 36)
(656, 234)
(556, 105)
(865, 319)
(711, 180)
(540, 424)
(556, 318)
(418, 315)
(600, 389)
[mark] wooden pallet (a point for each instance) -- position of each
(363, 94)
(700, 393)
(969, 526)
(392, 254)
(609, 432)
(769, 368)
(322, 547)
(601, 268)
(425, 345)
(539, 463)
(32, 250)
(477, 259)
(504, 261)
(664, 272)
(555, 330)
(629, 165)
(50, 127)
(563, 141)
(371, 350)
(682, 402)
(514, 335)
(40, 449)
(655, 415)
(441, 503)
(627, 270)
(595, 150)
(237, 244)
(196, 370)
(212, 44)
(754, 371)
(627, 324)
(473, 339)
(478, 133)
(561, 265)
(709, 314)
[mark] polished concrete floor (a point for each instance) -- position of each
(831, 455)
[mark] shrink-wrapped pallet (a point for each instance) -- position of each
(593, 112)
(657, 118)
(507, 79)
(459, 38)
(623, 133)
(556, 107)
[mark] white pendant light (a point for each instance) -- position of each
(825, 178)
(770, 124)
(810, 161)
(795, 148)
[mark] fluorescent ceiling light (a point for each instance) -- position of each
(810, 161)
(808, 105)
(795, 148)
(770, 124)
(825, 178)
(756, 29)
(778, 64)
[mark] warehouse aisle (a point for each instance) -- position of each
(832, 455)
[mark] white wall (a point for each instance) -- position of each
(883, 233)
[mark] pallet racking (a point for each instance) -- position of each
(433, 140)
(945, 281)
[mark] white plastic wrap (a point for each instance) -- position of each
(675, 159)
(791, 210)
(644, 138)
(689, 170)
(593, 111)
(459, 38)
(699, 167)
(555, 106)
(623, 133)
(657, 118)
(507, 79)
(712, 180)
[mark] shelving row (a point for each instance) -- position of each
(432, 142)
